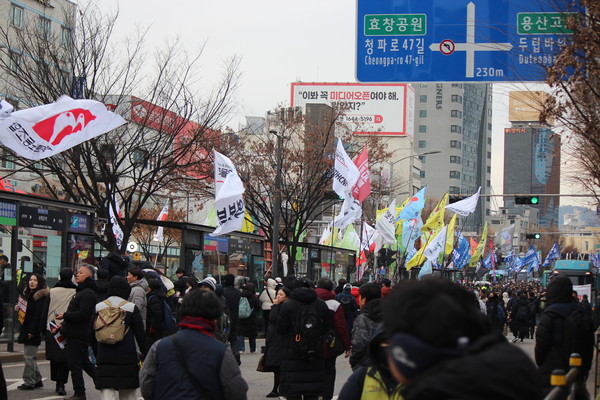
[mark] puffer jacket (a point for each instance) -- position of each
(35, 318)
(365, 325)
(78, 317)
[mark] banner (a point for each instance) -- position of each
(345, 174)
(413, 205)
(362, 188)
(386, 224)
(479, 249)
(553, 254)
(436, 245)
(504, 239)
(164, 214)
(40, 132)
(367, 237)
(114, 220)
(229, 203)
(436, 218)
(350, 212)
(21, 309)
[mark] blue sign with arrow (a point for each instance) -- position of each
(458, 40)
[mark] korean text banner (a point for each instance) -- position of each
(40, 132)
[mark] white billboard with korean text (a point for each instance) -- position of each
(370, 109)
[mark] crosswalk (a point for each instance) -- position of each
(12, 384)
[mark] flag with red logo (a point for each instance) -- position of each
(115, 215)
(164, 214)
(40, 132)
(362, 188)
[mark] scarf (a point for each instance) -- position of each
(200, 324)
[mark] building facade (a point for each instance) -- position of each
(456, 120)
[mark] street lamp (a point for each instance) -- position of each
(276, 207)
(410, 172)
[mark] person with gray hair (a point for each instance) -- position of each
(75, 327)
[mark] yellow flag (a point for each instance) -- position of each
(436, 218)
(248, 225)
(450, 235)
(479, 248)
(419, 258)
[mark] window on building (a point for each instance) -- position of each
(422, 144)
(489, 155)
(422, 128)
(7, 160)
(17, 16)
(44, 27)
(14, 61)
(455, 160)
(422, 159)
(456, 114)
(422, 113)
(455, 128)
(421, 174)
(458, 85)
(454, 190)
(455, 144)
(65, 36)
(456, 99)
(489, 141)
(423, 85)
(488, 169)
(489, 112)
(489, 126)
(488, 183)
(423, 98)
(454, 175)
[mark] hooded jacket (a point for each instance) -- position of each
(268, 295)
(337, 317)
(365, 325)
(138, 296)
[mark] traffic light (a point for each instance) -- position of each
(527, 200)
(533, 235)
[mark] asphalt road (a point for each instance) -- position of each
(259, 383)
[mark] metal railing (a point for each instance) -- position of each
(566, 386)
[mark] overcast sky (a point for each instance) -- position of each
(279, 42)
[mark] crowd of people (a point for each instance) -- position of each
(421, 339)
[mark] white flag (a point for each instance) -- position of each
(367, 236)
(229, 202)
(325, 235)
(466, 206)
(39, 132)
(386, 225)
(346, 172)
(436, 245)
(504, 239)
(164, 214)
(350, 212)
(114, 220)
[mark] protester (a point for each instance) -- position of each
(247, 326)
(495, 311)
(551, 338)
(348, 305)
(101, 285)
(155, 311)
(275, 343)
(232, 296)
(36, 294)
(139, 287)
(375, 381)
(60, 296)
(520, 317)
(365, 324)
(386, 287)
(442, 347)
(118, 364)
(339, 334)
(77, 321)
(3, 389)
(267, 299)
(302, 377)
(193, 364)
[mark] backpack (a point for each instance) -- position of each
(579, 335)
(244, 309)
(522, 314)
(307, 340)
(169, 324)
(109, 324)
(223, 327)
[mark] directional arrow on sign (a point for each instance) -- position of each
(470, 47)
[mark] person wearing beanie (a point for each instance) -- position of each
(469, 361)
(117, 365)
(550, 333)
(60, 296)
(348, 305)
(193, 353)
(209, 283)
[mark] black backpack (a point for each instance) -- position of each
(307, 339)
(579, 335)
(522, 314)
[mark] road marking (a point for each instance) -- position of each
(20, 364)
(16, 382)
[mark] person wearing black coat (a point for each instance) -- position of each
(232, 296)
(275, 344)
(117, 365)
(3, 390)
(520, 316)
(301, 378)
(36, 293)
(247, 327)
(155, 315)
(77, 321)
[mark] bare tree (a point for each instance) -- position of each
(172, 126)
(144, 234)
(575, 77)
(306, 145)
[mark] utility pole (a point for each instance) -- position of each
(276, 206)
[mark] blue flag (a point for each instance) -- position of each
(531, 260)
(426, 269)
(413, 206)
(411, 231)
(487, 261)
(460, 254)
(553, 254)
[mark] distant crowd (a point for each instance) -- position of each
(129, 327)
